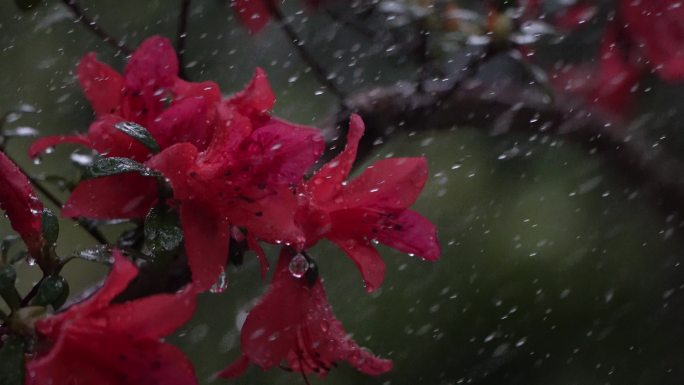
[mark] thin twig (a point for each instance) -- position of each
(89, 23)
(318, 70)
(182, 35)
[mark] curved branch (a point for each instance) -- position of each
(504, 108)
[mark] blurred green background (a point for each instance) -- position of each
(554, 270)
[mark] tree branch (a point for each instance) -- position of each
(318, 70)
(505, 108)
(93, 27)
(182, 36)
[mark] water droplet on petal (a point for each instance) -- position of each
(298, 266)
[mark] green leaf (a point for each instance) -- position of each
(163, 233)
(5, 245)
(104, 166)
(138, 133)
(8, 276)
(50, 226)
(54, 290)
(12, 361)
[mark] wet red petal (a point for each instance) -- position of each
(154, 317)
(280, 153)
(176, 163)
(657, 28)
(21, 204)
(393, 183)
(108, 140)
(148, 80)
(325, 184)
(257, 98)
(261, 255)
(100, 83)
(252, 14)
(185, 121)
(40, 145)
(366, 259)
(206, 238)
(293, 321)
(78, 357)
(411, 233)
(236, 369)
(113, 197)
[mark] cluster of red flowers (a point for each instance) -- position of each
(233, 168)
(642, 36)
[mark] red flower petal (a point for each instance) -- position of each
(327, 182)
(208, 91)
(658, 27)
(21, 205)
(148, 80)
(78, 357)
(236, 369)
(366, 259)
(153, 317)
(122, 273)
(393, 183)
(40, 145)
(252, 14)
(184, 121)
(113, 197)
(280, 153)
(100, 83)
(108, 140)
(411, 233)
(206, 242)
(293, 321)
(257, 98)
(176, 163)
(129, 331)
(261, 255)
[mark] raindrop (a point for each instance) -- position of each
(298, 266)
(221, 283)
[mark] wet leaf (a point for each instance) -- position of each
(54, 290)
(112, 166)
(7, 277)
(140, 134)
(50, 226)
(12, 361)
(5, 245)
(163, 234)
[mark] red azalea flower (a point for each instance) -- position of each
(655, 29)
(248, 159)
(294, 322)
(97, 342)
(353, 214)
(149, 83)
(610, 87)
(255, 14)
(247, 153)
(21, 205)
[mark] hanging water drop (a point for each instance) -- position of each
(298, 266)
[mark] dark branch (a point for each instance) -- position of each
(504, 108)
(318, 70)
(182, 36)
(93, 27)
